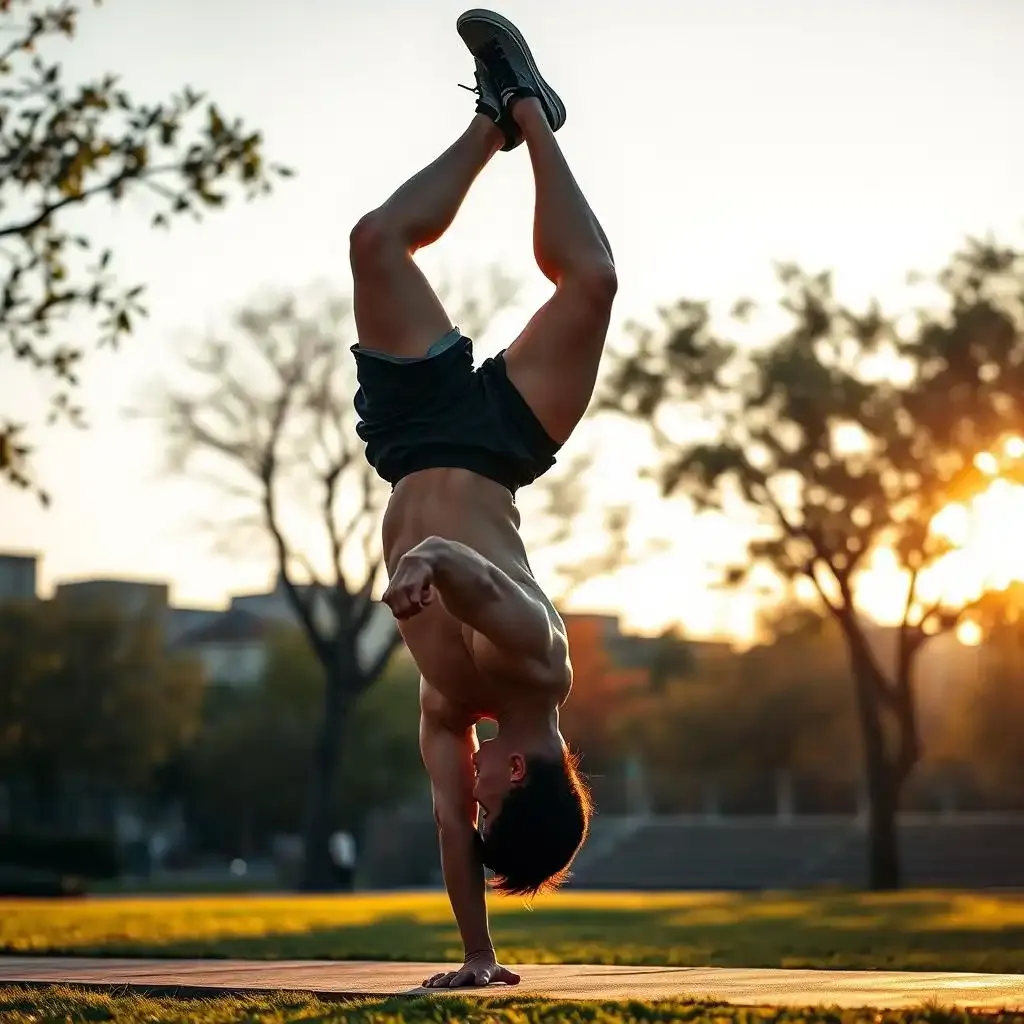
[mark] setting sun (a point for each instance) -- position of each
(981, 530)
(984, 557)
(970, 634)
(1014, 448)
(987, 463)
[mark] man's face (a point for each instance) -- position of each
(497, 770)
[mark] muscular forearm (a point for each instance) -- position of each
(467, 582)
(464, 880)
(478, 593)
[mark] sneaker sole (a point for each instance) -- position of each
(549, 97)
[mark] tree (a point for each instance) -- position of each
(267, 420)
(246, 766)
(745, 718)
(843, 437)
(90, 693)
(63, 146)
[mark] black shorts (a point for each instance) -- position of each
(441, 412)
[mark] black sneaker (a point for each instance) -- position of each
(488, 103)
(500, 47)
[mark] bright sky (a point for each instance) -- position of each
(712, 139)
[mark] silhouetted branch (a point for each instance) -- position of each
(65, 146)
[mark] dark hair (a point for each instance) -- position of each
(543, 822)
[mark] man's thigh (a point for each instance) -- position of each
(554, 361)
(396, 310)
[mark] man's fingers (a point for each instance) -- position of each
(438, 980)
(403, 603)
(473, 976)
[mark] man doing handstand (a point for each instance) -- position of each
(456, 442)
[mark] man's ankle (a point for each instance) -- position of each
(489, 128)
(527, 112)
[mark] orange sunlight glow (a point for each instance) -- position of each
(982, 531)
(1014, 448)
(987, 555)
(970, 634)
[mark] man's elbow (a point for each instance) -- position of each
(453, 821)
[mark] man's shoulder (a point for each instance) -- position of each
(541, 666)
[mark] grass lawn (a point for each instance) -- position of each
(911, 930)
(67, 1005)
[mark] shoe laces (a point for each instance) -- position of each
(498, 65)
(483, 85)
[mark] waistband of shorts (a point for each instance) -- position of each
(491, 465)
(438, 348)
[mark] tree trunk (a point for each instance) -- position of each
(318, 871)
(884, 870)
(883, 784)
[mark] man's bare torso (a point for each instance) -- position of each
(461, 675)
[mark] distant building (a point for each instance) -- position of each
(130, 597)
(668, 654)
(232, 647)
(184, 620)
(136, 598)
(275, 606)
(18, 577)
(231, 644)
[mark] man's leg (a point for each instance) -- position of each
(554, 362)
(396, 310)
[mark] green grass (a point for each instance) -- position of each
(912, 930)
(64, 1005)
(185, 887)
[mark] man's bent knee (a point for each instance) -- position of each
(596, 283)
(371, 238)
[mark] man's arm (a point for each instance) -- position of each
(447, 756)
(476, 592)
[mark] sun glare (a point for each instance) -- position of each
(969, 633)
(1014, 448)
(987, 463)
(954, 523)
(985, 532)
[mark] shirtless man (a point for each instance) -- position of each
(455, 443)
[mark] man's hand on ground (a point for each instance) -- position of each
(412, 587)
(479, 969)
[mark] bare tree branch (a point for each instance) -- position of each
(266, 418)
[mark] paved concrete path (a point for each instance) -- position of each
(332, 979)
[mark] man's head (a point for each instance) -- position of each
(536, 815)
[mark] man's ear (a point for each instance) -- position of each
(518, 764)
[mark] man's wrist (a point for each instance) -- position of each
(479, 951)
(432, 550)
